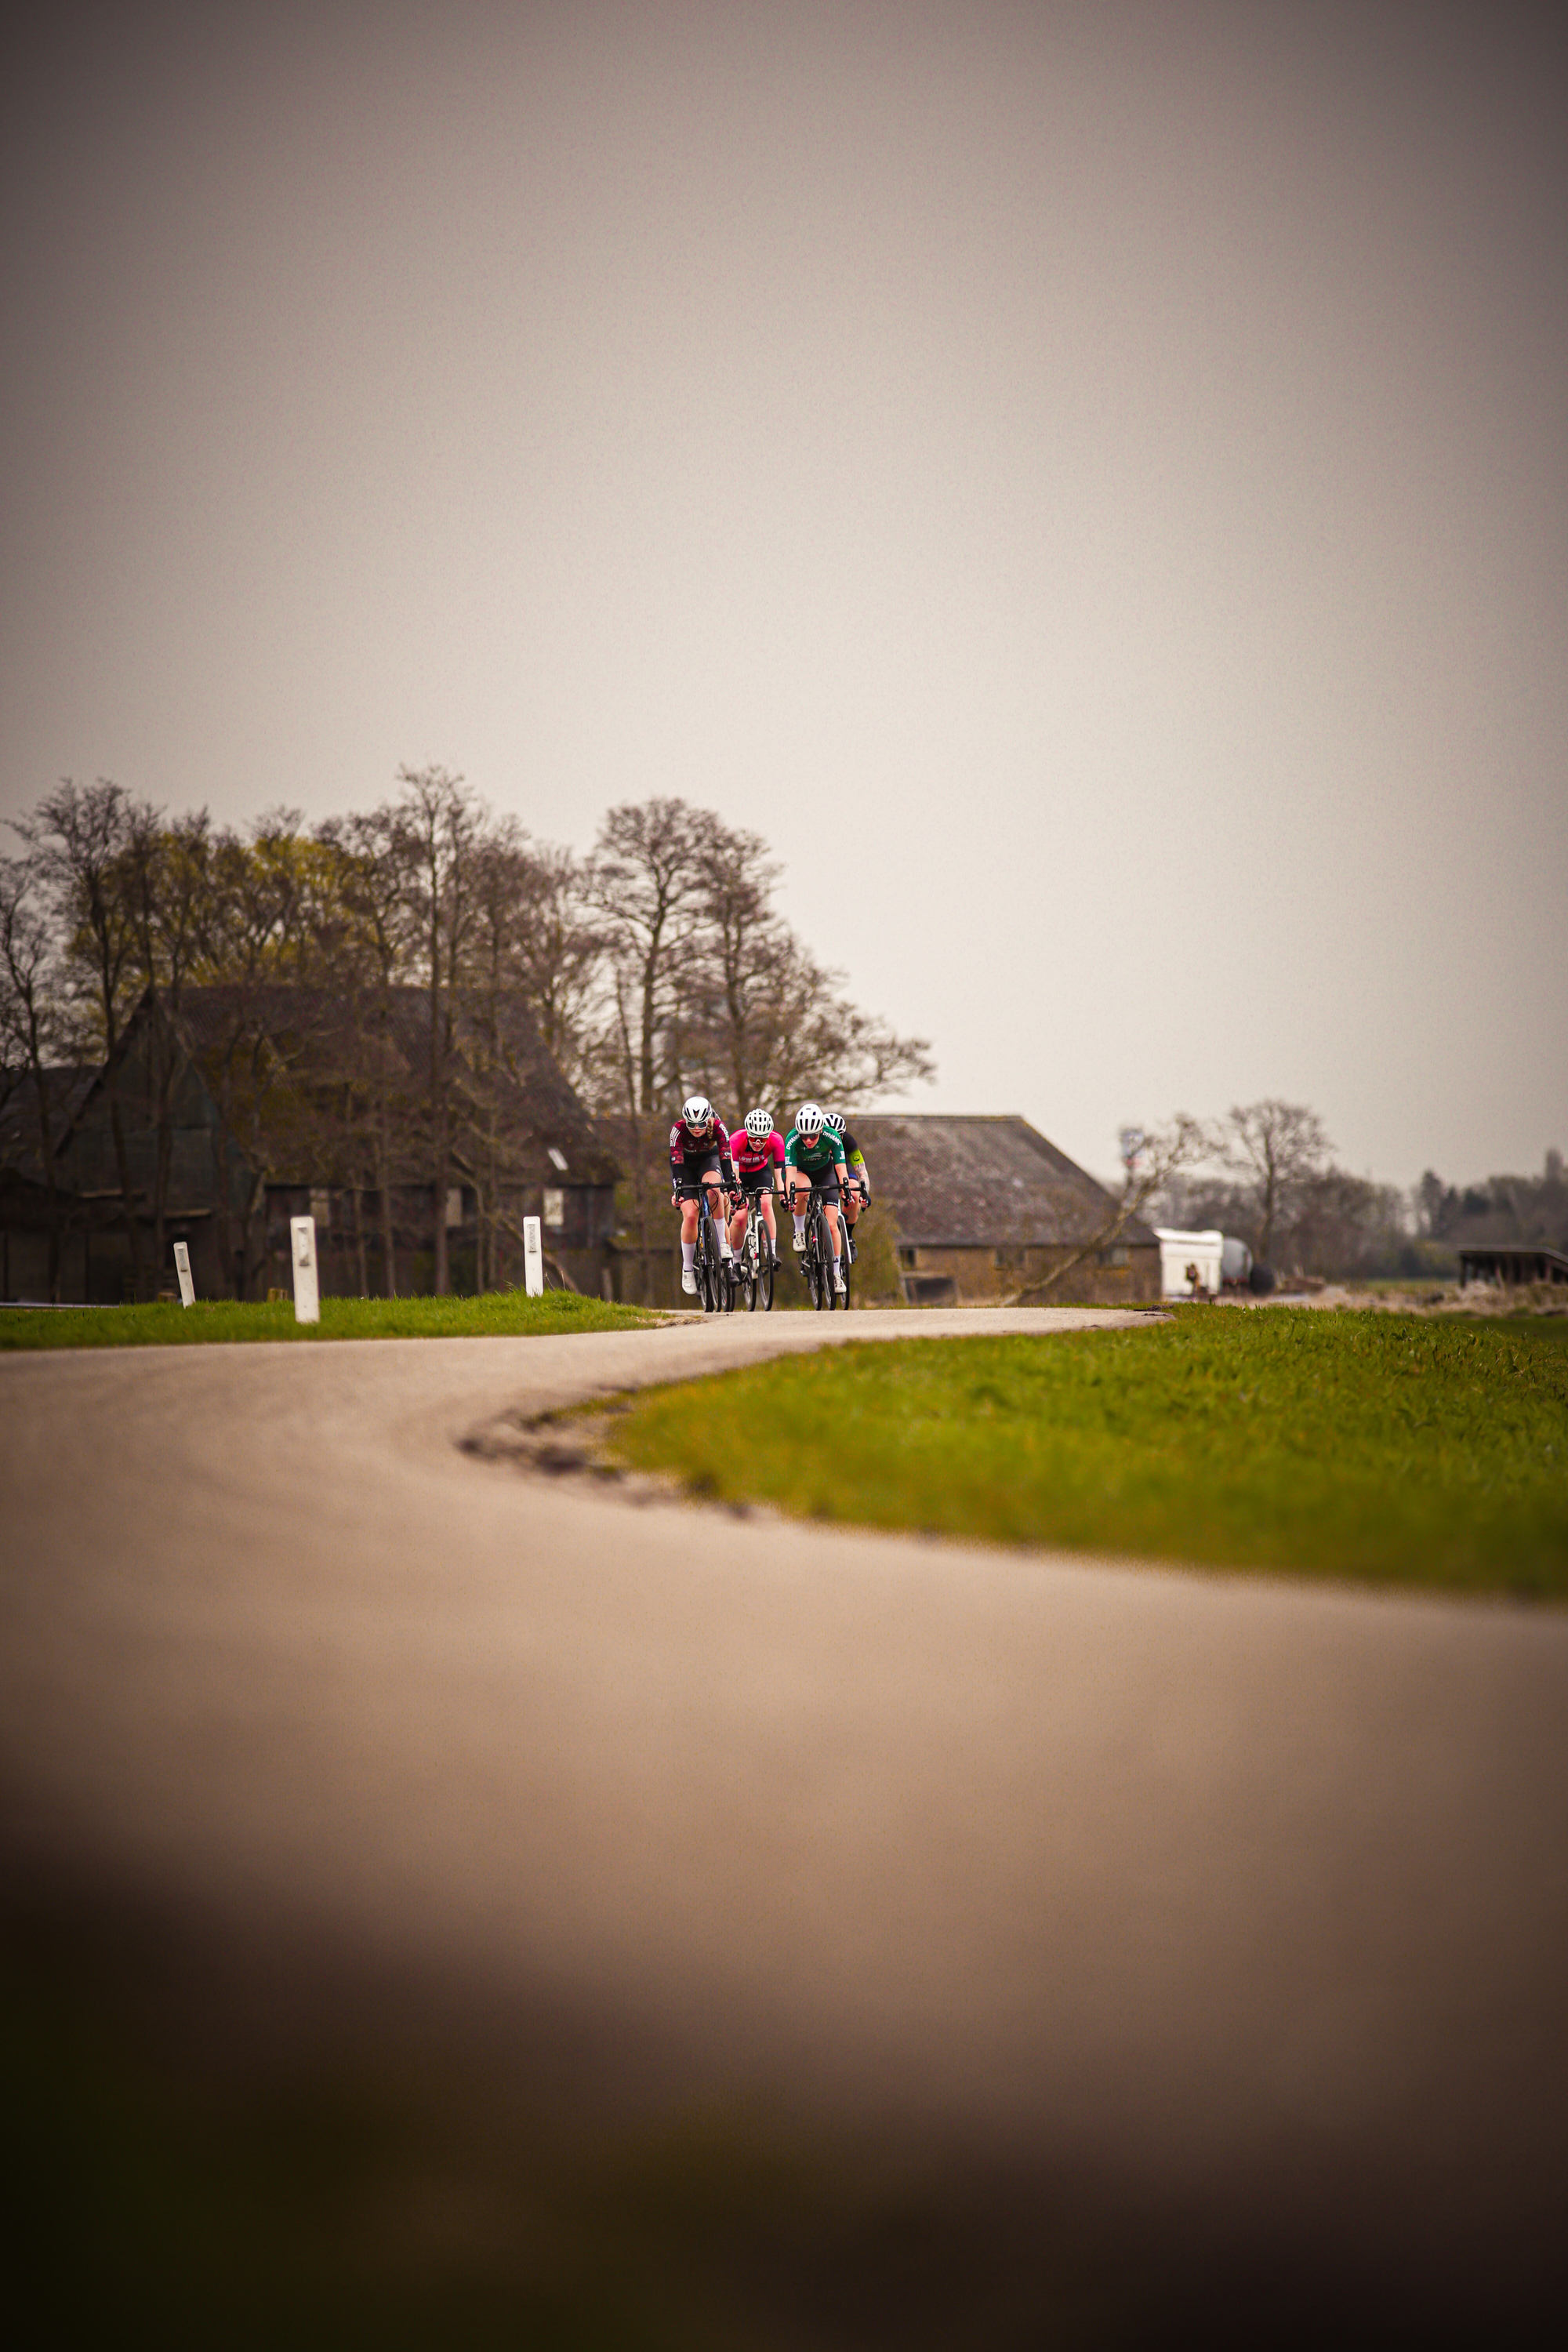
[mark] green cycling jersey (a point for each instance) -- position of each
(814, 1155)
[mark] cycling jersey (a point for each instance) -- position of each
(689, 1151)
(855, 1160)
(755, 1163)
(816, 1156)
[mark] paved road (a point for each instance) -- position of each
(1249, 1896)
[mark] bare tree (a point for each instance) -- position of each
(1274, 1147)
(372, 887)
(645, 881)
(80, 835)
(32, 1019)
(763, 1022)
(557, 951)
(438, 823)
(166, 882)
(257, 945)
(1163, 1153)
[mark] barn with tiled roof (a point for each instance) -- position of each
(985, 1207)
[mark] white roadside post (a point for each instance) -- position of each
(182, 1268)
(532, 1258)
(307, 1290)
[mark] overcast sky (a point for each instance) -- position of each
(1086, 482)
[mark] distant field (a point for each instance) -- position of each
(1387, 1449)
(163, 1326)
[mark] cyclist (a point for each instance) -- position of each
(699, 1158)
(814, 1157)
(858, 1186)
(757, 1156)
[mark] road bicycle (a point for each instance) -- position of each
(709, 1264)
(817, 1263)
(755, 1260)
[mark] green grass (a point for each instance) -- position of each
(163, 1326)
(1389, 1449)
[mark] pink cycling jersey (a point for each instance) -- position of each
(755, 1159)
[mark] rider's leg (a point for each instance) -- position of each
(716, 1206)
(688, 1244)
(798, 1196)
(738, 1225)
(837, 1246)
(768, 1220)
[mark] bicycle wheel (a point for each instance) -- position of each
(830, 1266)
(747, 1268)
(765, 1275)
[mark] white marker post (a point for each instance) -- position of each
(532, 1258)
(182, 1268)
(307, 1290)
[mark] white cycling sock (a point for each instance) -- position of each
(799, 1229)
(688, 1255)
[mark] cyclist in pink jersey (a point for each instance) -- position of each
(757, 1153)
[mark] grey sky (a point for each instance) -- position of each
(1106, 463)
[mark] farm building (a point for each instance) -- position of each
(247, 1106)
(1512, 1261)
(985, 1207)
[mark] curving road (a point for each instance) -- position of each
(1245, 1898)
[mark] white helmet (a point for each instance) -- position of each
(759, 1125)
(808, 1120)
(697, 1110)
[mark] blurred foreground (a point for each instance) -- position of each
(442, 1903)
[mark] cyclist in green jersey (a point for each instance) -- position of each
(814, 1162)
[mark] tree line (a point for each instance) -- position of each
(1267, 1173)
(657, 965)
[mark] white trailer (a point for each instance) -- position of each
(1192, 1265)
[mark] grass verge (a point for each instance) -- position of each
(498, 1313)
(1390, 1450)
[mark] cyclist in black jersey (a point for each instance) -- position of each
(858, 1177)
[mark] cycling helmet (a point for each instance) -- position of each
(834, 1119)
(759, 1125)
(808, 1120)
(697, 1110)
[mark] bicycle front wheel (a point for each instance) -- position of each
(764, 1291)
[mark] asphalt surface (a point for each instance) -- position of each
(1246, 1896)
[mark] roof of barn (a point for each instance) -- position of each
(21, 1150)
(327, 1038)
(983, 1184)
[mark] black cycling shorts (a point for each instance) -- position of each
(825, 1188)
(689, 1179)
